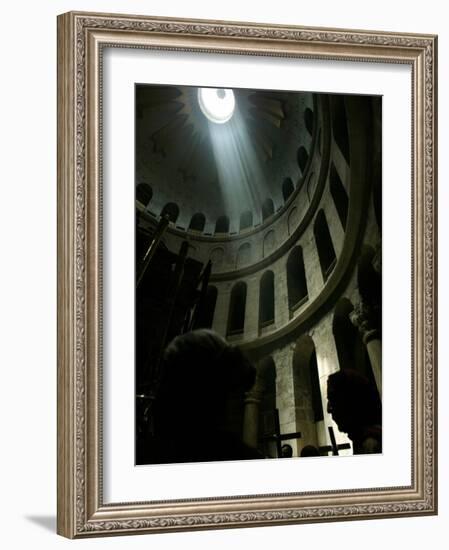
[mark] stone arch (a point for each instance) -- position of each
(198, 222)
(266, 299)
(268, 243)
(308, 120)
(237, 308)
(287, 188)
(171, 209)
(246, 220)
(243, 255)
(267, 208)
(222, 225)
(325, 247)
(303, 158)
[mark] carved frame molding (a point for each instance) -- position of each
(81, 36)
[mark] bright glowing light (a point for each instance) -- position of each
(217, 104)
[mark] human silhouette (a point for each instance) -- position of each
(354, 403)
(202, 375)
(286, 451)
(309, 450)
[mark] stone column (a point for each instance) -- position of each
(221, 313)
(251, 329)
(364, 318)
(285, 393)
(251, 417)
(281, 312)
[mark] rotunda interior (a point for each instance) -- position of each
(259, 218)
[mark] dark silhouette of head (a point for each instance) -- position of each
(200, 373)
(286, 451)
(354, 403)
(309, 450)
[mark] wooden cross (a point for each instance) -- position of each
(278, 437)
(333, 446)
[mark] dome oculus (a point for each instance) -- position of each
(217, 104)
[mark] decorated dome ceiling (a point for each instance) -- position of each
(217, 153)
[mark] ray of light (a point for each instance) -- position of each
(242, 179)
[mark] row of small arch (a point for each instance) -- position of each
(244, 252)
(144, 194)
(296, 283)
(338, 193)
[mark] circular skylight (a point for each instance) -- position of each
(217, 104)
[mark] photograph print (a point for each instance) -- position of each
(258, 267)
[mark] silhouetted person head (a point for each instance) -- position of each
(201, 372)
(353, 402)
(309, 450)
(286, 451)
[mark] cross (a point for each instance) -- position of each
(278, 437)
(333, 446)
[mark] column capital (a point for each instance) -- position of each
(365, 318)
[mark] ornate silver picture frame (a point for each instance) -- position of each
(84, 412)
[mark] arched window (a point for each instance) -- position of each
(266, 299)
(237, 306)
(287, 188)
(340, 125)
(306, 384)
(269, 243)
(206, 312)
(144, 193)
(198, 222)
(171, 210)
(339, 195)
(222, 225)
(243, 255)
(246, 220)
(296, 279)
(267, 209)
(308, 120)
(326, 251)
(303, 157)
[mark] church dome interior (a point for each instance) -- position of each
(258, 216)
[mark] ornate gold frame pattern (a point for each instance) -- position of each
(81, 37)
